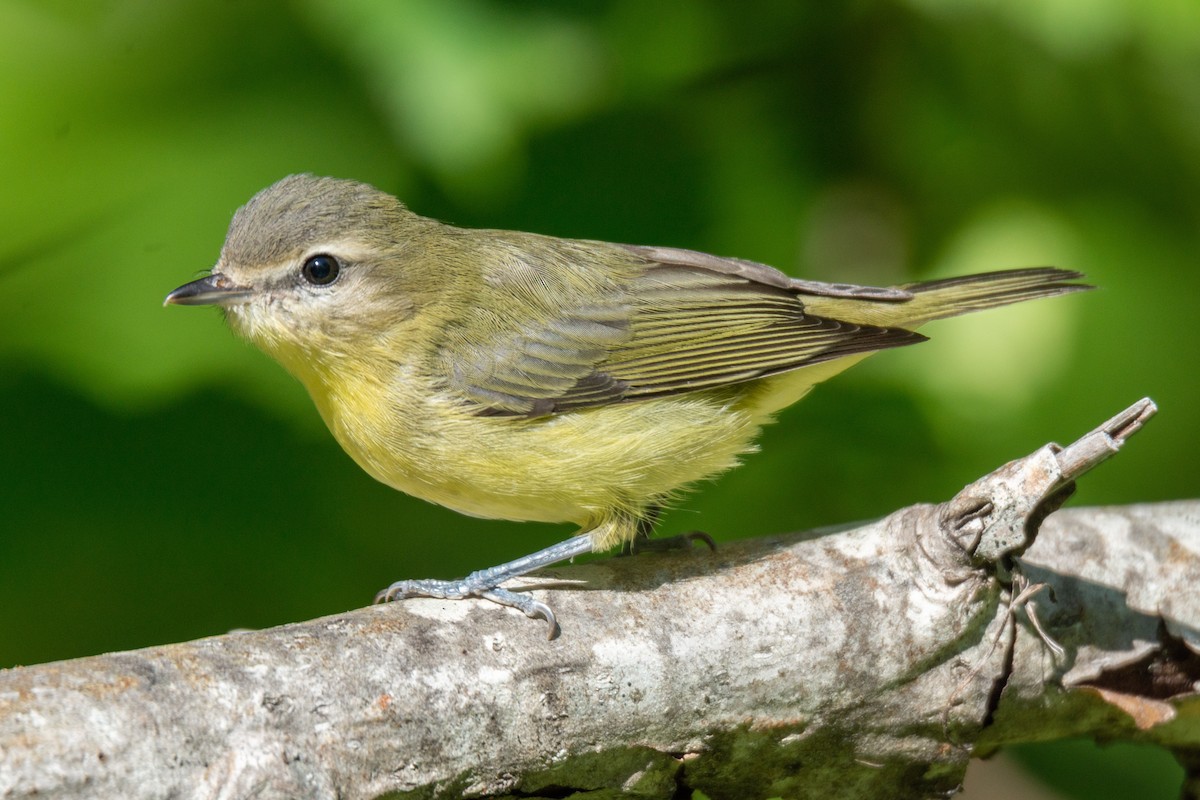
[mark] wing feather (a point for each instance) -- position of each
(679, 324)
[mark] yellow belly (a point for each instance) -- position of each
(599, 468)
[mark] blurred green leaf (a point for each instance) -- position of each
(1086, 770)
(162, 480)
(456, 80)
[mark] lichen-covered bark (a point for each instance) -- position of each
(866, 663)
(1122, 598)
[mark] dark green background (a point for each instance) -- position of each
(162, 481)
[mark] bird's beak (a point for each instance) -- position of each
(216, 289)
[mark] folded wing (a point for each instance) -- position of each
(671, 325)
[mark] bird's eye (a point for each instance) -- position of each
(320, 270)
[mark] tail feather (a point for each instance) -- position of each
(925, 301)
(949, 297)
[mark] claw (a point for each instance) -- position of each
(524, 603)
(680, 542)
(460, 590)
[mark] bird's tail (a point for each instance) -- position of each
(950, 297)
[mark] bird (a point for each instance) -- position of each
(519, 376)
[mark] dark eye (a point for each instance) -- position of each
(320, 270)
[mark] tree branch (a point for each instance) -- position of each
(864, 662)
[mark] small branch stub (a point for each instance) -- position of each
(999, 514)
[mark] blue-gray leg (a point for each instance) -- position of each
(485, 583)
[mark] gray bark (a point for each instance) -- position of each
(872, 662)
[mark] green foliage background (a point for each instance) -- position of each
(161, 480)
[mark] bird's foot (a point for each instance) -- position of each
(471, 586)
(485, 583)
(683, 541)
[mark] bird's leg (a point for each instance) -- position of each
(485, 583)
(645, 528)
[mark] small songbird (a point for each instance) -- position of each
(516, 376)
